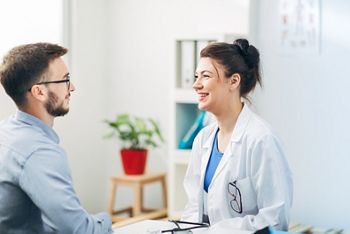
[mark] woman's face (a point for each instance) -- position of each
(211, 85)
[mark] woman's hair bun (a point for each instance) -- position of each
(250, 53)
(243, 45)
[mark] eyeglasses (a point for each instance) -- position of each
(236, 202)
(178, 228)
(67, 81)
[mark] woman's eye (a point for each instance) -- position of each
(203, 76)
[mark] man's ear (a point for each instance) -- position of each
(38, 92)
(235, 81)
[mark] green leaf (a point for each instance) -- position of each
(135, 132)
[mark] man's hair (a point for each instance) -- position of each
(24, 65)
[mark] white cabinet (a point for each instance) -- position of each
(183, 110)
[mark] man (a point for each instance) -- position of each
(36, 191)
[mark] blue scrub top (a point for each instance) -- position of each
(213, 163)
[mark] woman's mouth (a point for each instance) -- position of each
(202, 96)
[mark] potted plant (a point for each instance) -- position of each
(136, 135)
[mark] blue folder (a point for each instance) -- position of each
(187, 141)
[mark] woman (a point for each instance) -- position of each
(238, 174)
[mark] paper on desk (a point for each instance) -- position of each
(155, 226)
(223, 227)
(144, 227)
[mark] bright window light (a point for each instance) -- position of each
(24, 21)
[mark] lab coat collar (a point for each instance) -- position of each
(208, 143)
(241, 124)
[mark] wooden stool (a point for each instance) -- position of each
(137, 182)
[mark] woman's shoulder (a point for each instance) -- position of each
(259, 128)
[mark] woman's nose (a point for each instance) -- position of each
(197, 84)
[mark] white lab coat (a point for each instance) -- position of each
(255, 160)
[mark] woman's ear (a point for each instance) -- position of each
(235, 81)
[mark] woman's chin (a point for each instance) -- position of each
(202, 106)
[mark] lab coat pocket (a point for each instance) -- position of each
(245, 201)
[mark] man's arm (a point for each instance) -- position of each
(47, 181)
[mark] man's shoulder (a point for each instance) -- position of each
(23, 139)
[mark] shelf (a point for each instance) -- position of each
(181, 157)
(185, 96)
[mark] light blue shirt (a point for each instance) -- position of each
(36, 190)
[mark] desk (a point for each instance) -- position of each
(147, 226)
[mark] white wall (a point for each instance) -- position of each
(7, 105)
(82, 129)
(140, 38)
(306, 99)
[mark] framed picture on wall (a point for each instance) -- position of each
(299, 22)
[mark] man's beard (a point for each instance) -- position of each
(52, 108)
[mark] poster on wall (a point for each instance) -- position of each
(299, 22)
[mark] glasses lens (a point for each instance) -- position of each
(68, 84)
(235, 205)
(232, 189)
(236, 198)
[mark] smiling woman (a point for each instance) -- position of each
(237, 158)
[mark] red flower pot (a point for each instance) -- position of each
(134, 161)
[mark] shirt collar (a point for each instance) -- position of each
(33, 121)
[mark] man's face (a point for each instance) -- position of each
(57, 103)
(55, 107)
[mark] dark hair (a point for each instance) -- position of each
(239, 57)
(24, 65)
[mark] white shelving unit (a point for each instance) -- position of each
(183, 113)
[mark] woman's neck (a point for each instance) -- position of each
(228, 118)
